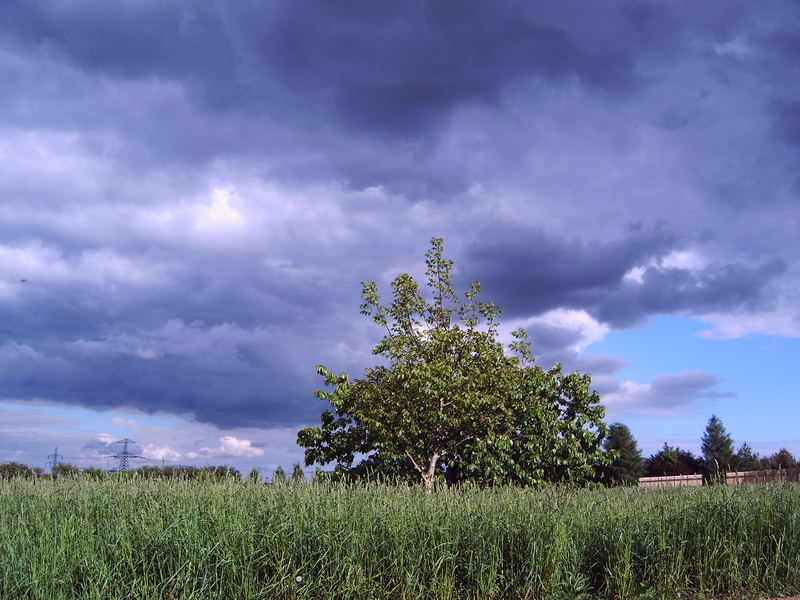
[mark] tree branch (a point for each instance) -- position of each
(411, 458)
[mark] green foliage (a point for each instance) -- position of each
(298, 476)
(717, 448)
(782, 459)
(65, 470)
(672, 461)
(10, 470)
(627, 464)
(150, 472)
(94, 473)
(149, 539)
(167, 472)
(448, 403)
(747, 459)
(279, 476)
(254, 477)
(219, 473)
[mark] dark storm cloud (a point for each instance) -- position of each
(396, 68)
(787, 120)
(336, 122)
(724, 287)
(228, 345)
(354, 91)
(550, 338)
(313, 89)
(225, 376)
(530, 271)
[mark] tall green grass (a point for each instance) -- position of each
(155, 539)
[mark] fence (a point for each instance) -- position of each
(732, 478)
(671, 481)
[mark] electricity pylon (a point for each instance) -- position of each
(55, 462)
(124, 456)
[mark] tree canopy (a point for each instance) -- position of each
(448, 403)
(672, 461)
(627, 464)
(717, 448)
(782, 459)
(10, 470)
(747, 459)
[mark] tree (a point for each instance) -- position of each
(219, 473)
(298, 476)
(255, 476)
(746, 458)
(671, 461)
(65, 470)
(10, 470)
(94, 473)
(448, 402)
(782, 459)
(279, 475)
(150, 472)
(182, 472)
(627, 464)
(717, 448)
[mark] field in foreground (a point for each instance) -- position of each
(149, 539)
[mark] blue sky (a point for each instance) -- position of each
(761, 409)
(190, 194)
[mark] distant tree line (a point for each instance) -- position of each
(717, 457)
(11, 470)
(623, 464)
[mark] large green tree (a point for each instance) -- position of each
(448, 403)
(627, 464)
(717, 448)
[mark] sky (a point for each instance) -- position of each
(191, 194)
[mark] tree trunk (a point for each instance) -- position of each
(427, 475)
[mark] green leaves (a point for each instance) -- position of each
(717, 448)
(448, 403)
(626, 464)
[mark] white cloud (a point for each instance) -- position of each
(678, 259)
(590, 330)
(636, 275)
(683, 259)
(220, 213)
(160, 452)
(106, 438)
(783, 321)
(232, 446)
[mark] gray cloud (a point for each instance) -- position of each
(396, 69)
(362, 94)
(532, 271)
(665, 395)
(347, 134)
(787, 121)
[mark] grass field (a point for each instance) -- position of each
(149, 539)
